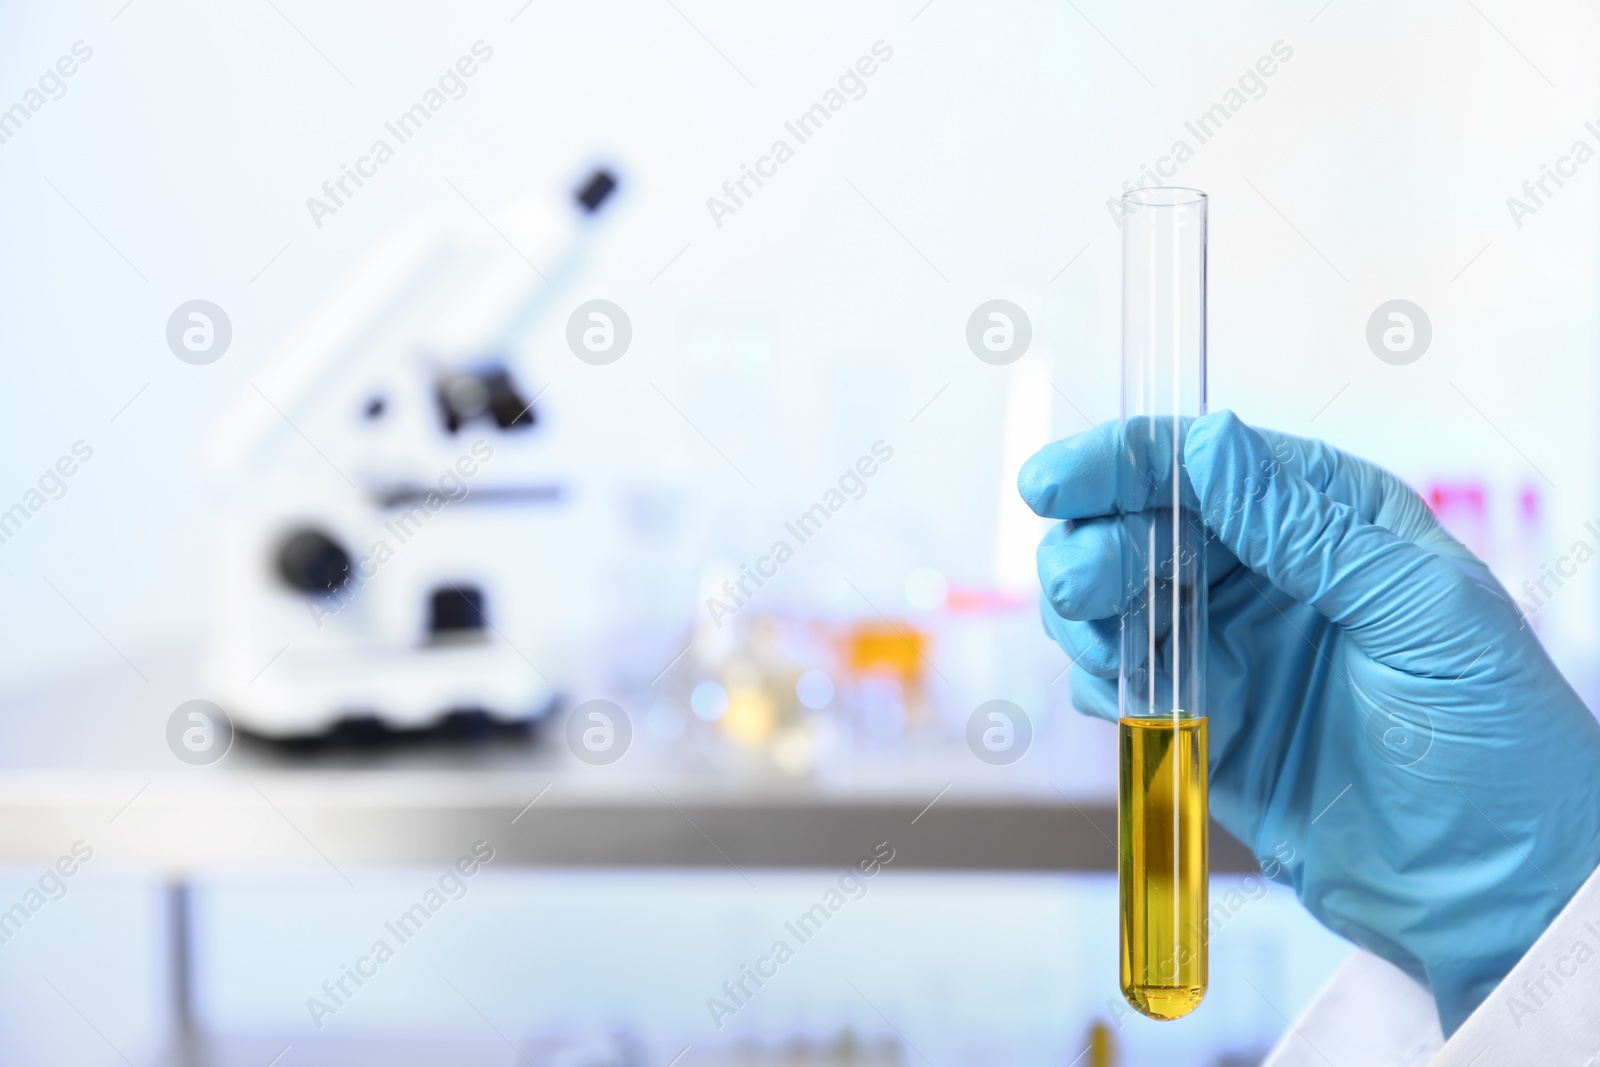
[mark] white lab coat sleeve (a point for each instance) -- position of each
(1370, 1014)
(1546, 1011)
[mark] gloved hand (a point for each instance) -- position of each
(1376, 702)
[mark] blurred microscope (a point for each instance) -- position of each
(399, 545)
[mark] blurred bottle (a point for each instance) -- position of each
(1463, 508)
(1101, 1047)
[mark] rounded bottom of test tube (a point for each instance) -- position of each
(1164, 1002)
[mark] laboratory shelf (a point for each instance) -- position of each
(88, 761)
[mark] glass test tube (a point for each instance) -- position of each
(1163, 823)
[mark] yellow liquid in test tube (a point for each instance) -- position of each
(1163, 868)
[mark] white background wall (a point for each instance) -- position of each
(1377, 165)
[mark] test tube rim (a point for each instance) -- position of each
(1165, 196)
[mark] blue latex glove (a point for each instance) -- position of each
(1376, 703)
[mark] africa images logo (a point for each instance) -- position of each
(736, 192)
(451, 85)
